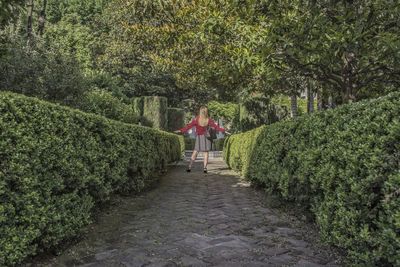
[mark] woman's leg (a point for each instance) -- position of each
(193, 158)
(205, 159)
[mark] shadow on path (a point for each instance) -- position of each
(196, 219)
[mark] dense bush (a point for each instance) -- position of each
(227, 111)
(155, 111)
(258, 110)
(343, 165)
(176, 118)
(218, 144)
(152, 111)
(40, 70)
(238, 148)
(104, 103)
(57, 163)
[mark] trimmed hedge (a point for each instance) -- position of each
(176, 118)
(105, 104)
(57, 163)
(342, 164)
(152, 111)
(155, 111)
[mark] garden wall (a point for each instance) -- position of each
(57, 163)
(343, 165)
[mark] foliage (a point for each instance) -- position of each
(40, 71)
(155, 111)
(349, 49)
(9, 10)
(58, 163)
(284, 102)
(218, 144)
(238, 149)
(343, 165)
(257, 110)
(73, 40)
(176, 119)
(226, 111)
(105, 104)
(86, 11)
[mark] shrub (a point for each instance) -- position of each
(176, 118)
(105, 104)
(259, 110)
(137, 103)
(57, 163)
(238, 148)
(228, 111)
(218, 144)
(42, 71)
(152, 110)
(155, 110)
(343, 165)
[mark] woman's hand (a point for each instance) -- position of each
(177, 131)
(227, 133)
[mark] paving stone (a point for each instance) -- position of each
(221, 240)
(275, 251)
(192, 262)
(192, 219)
(106, 254)
(304, 263)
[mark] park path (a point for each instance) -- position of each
(196, 219)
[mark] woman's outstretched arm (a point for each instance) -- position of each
(215, 126)
(187, 127)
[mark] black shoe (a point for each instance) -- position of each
(188, 169)
(205, 170)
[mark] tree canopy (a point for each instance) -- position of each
(208, 50)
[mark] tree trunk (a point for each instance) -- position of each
(310, 99)
(349, 63)
(29, 23)
(293, 106)
(322, 100)
(42, 18)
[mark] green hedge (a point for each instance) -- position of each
(176, 119)
(105, 104)
(342, 164)
(155, 111)
(218, 144)
(57, 163)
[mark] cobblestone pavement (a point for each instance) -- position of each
(196, 219)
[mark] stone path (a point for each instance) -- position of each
(193, 219)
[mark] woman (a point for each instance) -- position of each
(202, 122)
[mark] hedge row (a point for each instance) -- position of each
(176, 119)
(103, 103)
(152, 110)
(57, 163)
(343, 164)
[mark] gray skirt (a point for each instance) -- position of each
(202, 143)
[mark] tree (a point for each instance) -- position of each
(9, 10)
(30, 6)
(42, 18)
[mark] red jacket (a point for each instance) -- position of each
(200, 130)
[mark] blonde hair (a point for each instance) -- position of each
(203, 116)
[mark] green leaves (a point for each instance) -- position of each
(343, 165)
(58, 163)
